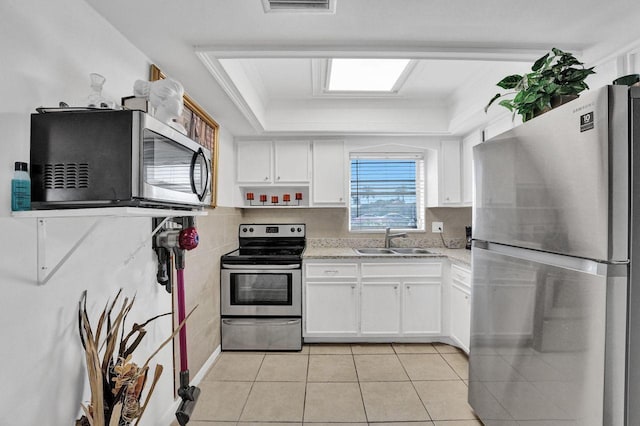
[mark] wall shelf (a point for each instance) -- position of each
(108, 211)
(46, 272)
(269, 192)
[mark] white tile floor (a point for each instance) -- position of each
(380, 384)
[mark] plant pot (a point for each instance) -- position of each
(627, 80)
(536, 113)
(558, 100)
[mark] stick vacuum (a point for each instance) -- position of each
(179, 241)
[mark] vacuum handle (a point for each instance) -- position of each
(184, 364)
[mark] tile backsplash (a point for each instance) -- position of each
(329, 227)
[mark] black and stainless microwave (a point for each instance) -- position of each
(115, 158)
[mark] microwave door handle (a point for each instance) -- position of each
(194, 159)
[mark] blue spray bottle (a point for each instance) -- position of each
(21, 188)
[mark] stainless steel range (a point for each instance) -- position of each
(261, 289)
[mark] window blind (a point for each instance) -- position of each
(385, 193)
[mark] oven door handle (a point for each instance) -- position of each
(245, 322)
(260, 267)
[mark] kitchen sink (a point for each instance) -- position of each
(374, 251)
(411, 250)
(399, 250)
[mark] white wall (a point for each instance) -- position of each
(48, 49)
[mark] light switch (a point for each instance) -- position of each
(437, 227)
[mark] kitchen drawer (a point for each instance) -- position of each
(375, 270)
(331, 270)
(461, 275)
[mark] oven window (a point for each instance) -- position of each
(261, 289)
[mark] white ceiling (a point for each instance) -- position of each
(261, 74)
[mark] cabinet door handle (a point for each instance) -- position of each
(266, 178)
(395, 287)
(408, 287)
(278, 177)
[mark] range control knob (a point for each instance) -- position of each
(244, 229)
(250, 229)
(299, 229)
(293, 229)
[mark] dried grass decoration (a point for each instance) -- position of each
(116, 382)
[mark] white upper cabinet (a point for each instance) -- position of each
(291, 161)
(254, 162)
(449, 174)
(467, 166)
(264, 162)
(451, 189)
(329, 177)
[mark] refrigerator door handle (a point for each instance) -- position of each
(480, 244)
(587, 266)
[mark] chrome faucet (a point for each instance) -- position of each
(388, 237)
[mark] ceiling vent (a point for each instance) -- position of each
(300, 6)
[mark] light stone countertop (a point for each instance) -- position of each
(461, 256)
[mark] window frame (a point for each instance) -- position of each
(419, 159)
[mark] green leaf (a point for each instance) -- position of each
(530, 97)
(497, 96)
(519, 97)
(507, 104)
(542, 104)
(510, 82)
(539, 63)
(551, 88)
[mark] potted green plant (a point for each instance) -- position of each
(555, 78)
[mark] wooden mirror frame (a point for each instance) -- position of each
(200, 127)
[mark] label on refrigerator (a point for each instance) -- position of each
(586, 121)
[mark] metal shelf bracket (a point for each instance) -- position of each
(44, 271)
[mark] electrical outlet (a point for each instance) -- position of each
(437, 227)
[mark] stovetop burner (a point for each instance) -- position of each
(268, 244)
(270, 251)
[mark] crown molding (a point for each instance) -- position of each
(216, 69)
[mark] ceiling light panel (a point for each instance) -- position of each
(365, 75)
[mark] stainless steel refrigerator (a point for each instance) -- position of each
(555, 331)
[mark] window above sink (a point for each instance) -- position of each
(386, 192)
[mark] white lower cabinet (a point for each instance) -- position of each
(331, 299)
(380, 314)
(422, 313)
(331, 308)
(461, 306)
(372, 301)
